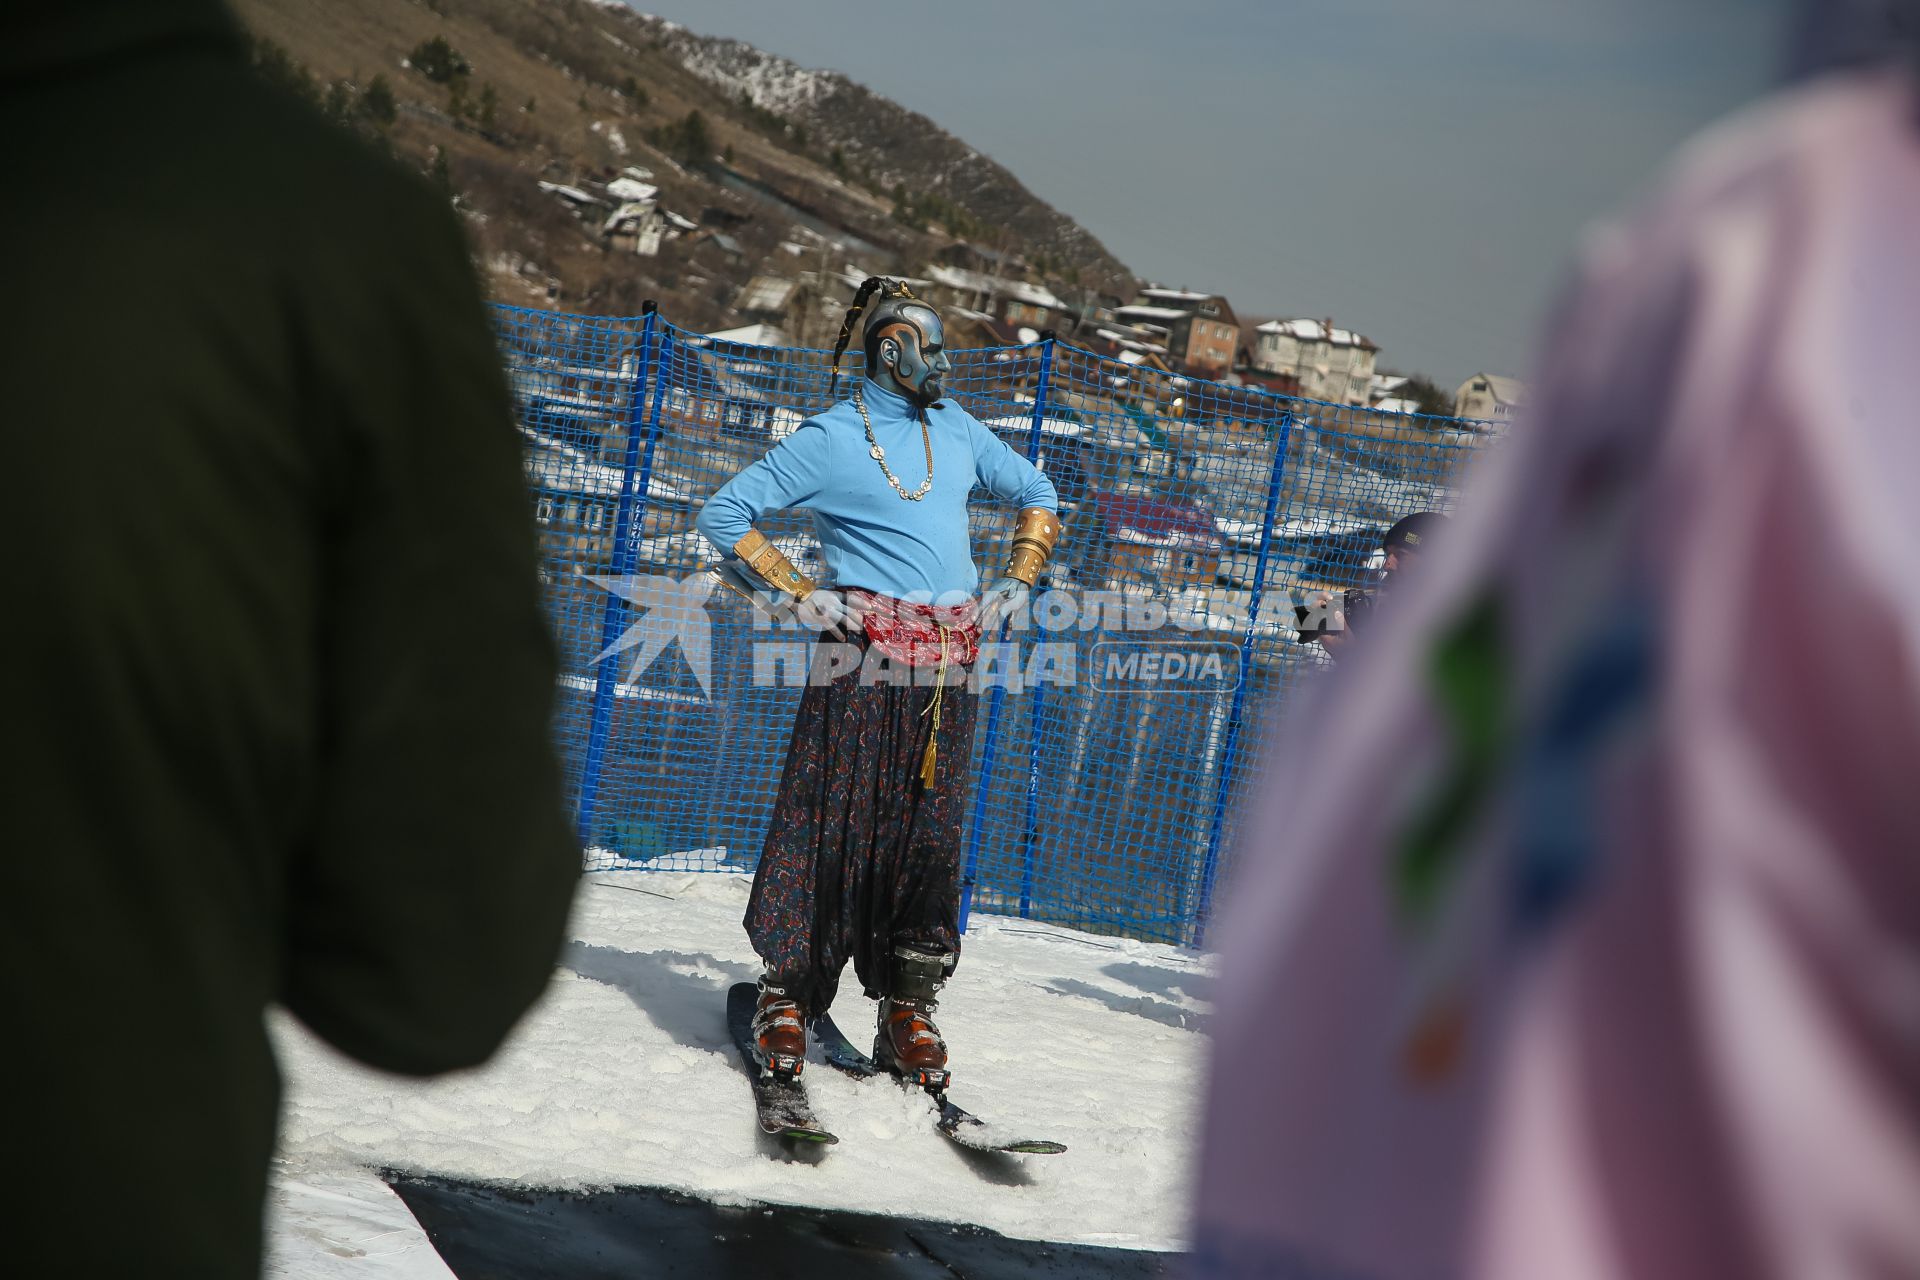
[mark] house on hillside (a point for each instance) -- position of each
(1133, 344)
(1332, 364)
(1488, 397)
(632, 191)
(1141, 541)
(774, 300)
(717, 391)
(637, 227)
(573, 196)
(730, 250)
(1014, 301)
(582, 403)
(576, 500)
(1202, 332)
(807, 306)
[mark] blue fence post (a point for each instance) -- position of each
(1231, 748)
(634, 479)
(990, 750)
(1036, 701)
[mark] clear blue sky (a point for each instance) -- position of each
(1417, 169)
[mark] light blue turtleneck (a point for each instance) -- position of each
(870, 536)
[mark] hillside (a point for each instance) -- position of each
(750, 160)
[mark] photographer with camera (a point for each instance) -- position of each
(1333, 625)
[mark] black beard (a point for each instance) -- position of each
(927, 394)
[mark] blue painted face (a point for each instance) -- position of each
(913, 354)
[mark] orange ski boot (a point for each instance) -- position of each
(908, 1043)
(779, 1030)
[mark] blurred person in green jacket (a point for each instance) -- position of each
(276, 677)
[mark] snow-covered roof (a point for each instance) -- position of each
(766, 293)
(1033, 295)
(1133, 341)
(784, 422)
(685, 224)
(1241, 531)
(627, 215)
(557, 466)
(1320, 526)
(959, 278)
(1152, 313)
(1048, 426)
(638, 172)
(536, 371)
(754, 335)
(1315, 331)
(556, 403)
(630, 689)
(1176, 295)
(573, 194)
(563, 468)
(629, 189)
(1397, 404)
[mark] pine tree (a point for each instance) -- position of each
(377, 103)
(438, 61)
(279, 66)
(339, 101)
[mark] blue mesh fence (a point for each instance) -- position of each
(1114, 749)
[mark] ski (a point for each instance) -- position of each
(839, 1051)
(971, 1131)
(782, 1105)
(955, 1123)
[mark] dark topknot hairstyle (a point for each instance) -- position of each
(894, 295)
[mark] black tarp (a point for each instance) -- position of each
(494, 1233)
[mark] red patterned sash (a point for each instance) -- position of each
(920, 635)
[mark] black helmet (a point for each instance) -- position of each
(1414, 532)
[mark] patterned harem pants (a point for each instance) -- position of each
(860, 857)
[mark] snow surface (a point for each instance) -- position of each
(344, 1224)
(624, 1075)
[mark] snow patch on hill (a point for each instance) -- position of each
(771, 81)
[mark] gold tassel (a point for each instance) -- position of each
(926, 761)
(933, 733)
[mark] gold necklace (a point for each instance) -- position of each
(879, 455)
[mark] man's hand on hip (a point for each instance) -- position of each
(832, 611)
(1001, 601)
